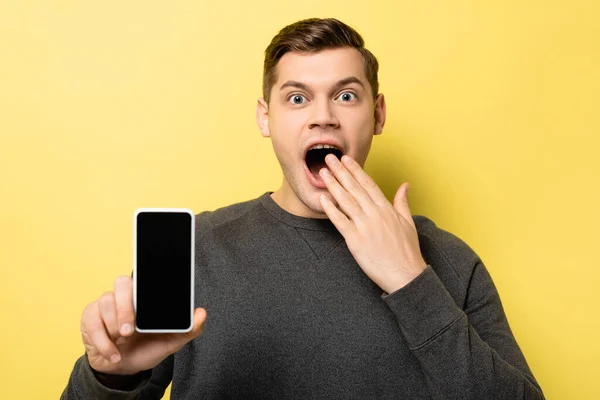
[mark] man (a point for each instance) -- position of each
(322, 289)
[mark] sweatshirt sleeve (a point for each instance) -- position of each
(470, 354)
(85, 384)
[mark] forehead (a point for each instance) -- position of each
(322, 68)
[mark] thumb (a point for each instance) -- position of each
(180, 339)
(401, 203)
(199, 319)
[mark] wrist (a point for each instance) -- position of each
(117, 381)
(401, 280)
(122, 382)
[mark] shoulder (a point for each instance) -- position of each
(207, 221)
(450, 257)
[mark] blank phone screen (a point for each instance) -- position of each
(164, 269)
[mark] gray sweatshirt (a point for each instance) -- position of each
(292, 316)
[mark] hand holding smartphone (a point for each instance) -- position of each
(159, 298)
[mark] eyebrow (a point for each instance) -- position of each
(339, 84)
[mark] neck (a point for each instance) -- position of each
(286, 198)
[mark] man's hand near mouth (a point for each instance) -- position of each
(382, 237)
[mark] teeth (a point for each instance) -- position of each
(323, 146)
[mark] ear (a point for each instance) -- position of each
(262, 117)
(379, 113)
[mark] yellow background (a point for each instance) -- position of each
(106, 106)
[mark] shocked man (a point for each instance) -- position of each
(322, 289)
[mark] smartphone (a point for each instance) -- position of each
(163, 269)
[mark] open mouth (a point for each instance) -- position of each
(315, 157)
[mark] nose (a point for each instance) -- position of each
(323, 116)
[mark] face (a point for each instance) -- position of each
(321, 102)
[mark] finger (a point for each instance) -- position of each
(401, 204)
(349, 183)
(108, 313)
(346, 202)
(365, 181)
(341, 222)
(94, 328)
(178, 340)
(124, 304)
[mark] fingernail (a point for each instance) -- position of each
(115, 358)
(125, 329)
(332, 158)
(325, 172)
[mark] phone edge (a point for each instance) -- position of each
(192, 266)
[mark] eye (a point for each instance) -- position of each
(347, 96)
(297, 99)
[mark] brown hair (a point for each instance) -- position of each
(313, 35)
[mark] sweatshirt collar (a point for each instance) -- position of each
(294, 220)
